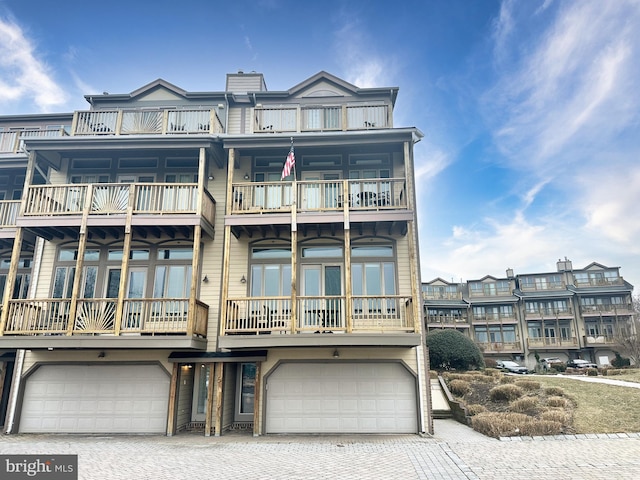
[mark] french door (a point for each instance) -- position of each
(319, 284)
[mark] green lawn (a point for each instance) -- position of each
(602, 408)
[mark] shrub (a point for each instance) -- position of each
(540, 427)
(498, 425)
(612, 371)
(494, 424)
(529, 385)
(459, 387)
(475, 409)
(592, 372)
(558, 367)
(451, 349)
(620, 362)
(506, 379)
(490, 363)
(524, 405)
(433, 374)
(505, 393)
(554, 391)
(554, 415)
(556, 402)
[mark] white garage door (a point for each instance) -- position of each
(341, 398)
(96, 399)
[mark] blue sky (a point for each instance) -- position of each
(530, 109)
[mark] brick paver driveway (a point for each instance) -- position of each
(455, 452)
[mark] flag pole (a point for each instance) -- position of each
(295, 175)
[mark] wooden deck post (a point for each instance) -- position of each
(82, 246)
(256, 400)
(11, 278)
(124, 268)
(219, 378)
(173, 391)
(209, 408)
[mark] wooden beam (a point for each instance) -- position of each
(173, 401)
(209, 407)
(195, 280)
(256, 400)
(11, 278)
(219, 382)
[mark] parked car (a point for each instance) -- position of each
(579, 363)
(549, 362)
(511, 367)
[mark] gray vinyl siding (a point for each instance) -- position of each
(185, 398)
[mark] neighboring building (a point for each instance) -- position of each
(566, 314)
(158, 275)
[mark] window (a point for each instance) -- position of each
(270, 277)
(373, 277)
(23, 277)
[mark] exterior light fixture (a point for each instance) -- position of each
(243, 279)
(336, 354)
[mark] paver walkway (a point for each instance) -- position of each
(454, 452)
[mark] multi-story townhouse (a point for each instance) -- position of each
(176, 280)
(566, 314)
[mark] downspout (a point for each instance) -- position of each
(15, 385)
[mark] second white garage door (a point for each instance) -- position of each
(341, 398)
(96, 399)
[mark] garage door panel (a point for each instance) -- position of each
(352, 398)
(95, 399)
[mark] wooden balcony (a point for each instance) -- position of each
(13, 141)
(549, 313)
(290, 119)
(319, 196)
(552, 342)
(8, 212)
(500, 347)
(457, 320)
(441, 295)
(599, 340)
(607, 310)
(146, 122)
(598, 282)
(494, 318)
(104, 202)
(32, 322)
(268, 320)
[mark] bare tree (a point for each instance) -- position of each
(628, 336)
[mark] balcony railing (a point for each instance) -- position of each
(106, 198)
(493, 317)
(146, 122)
(600, 340)
(8, 212)
(549, 313)
(256, 315)
(441, 295)
(496, 347)
(537, 342)
(13, 142)
(98, 316)
(290, 119)
(542, 286)
(598, 282)
(612, 309)
(319, 196)
(447, 319)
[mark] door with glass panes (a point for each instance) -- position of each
(322, 306)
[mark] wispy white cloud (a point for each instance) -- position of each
(356, 53)
(23, 76)
(564, 114)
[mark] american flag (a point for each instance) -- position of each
(288, 164)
